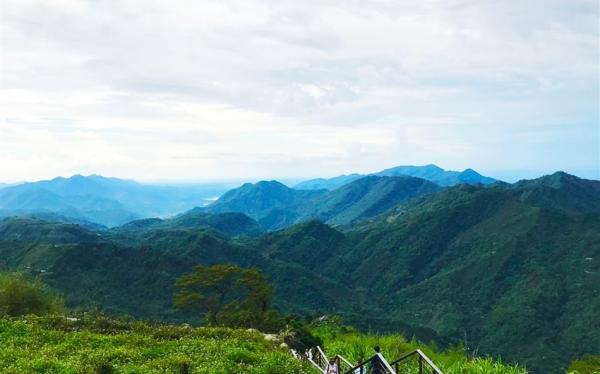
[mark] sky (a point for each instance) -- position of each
(213, 90)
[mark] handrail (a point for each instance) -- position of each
(316, 365)
(361, 365)
(422, 357)
(340, 359)
(324, 361)
(323, 357)
(386, 366)
(295, 354)
(320, 350)
(428, 360)
(319, 360)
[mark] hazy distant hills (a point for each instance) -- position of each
(432, 173)
(113, 202)
(106, 201)
(438, 175)
(327, 183)
(276, 206)
(507, 269)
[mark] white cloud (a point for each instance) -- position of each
(206, 89)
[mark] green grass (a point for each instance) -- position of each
(56, 345)
(354, 345)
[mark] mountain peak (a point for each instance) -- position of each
(260, 199)
(430, 167)
(555, 180)
(271, 183)
(470, 171)
(561, 191)
(438, 175)
(560, 177)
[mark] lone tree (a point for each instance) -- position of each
(227, 295)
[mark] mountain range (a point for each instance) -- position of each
(504, 269)
(429, 172)
(112, 202)
(276, 206)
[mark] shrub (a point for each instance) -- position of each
(20, 295)
(586, 365)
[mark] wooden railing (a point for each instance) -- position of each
(319, 359)
(415, 362)
(342, 363)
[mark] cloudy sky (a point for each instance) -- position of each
(197, 90)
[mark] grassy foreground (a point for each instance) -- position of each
(59, 345)
(55, 344)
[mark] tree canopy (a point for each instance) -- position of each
(227, 295)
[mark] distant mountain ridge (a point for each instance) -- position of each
(277, 206)
(327, 183)
(430, 172)
(113, 202)
(102, 200)
(228, 224)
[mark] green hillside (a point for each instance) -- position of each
(227, 224)
(124, 273)
(511, 278)
(96, 344)
(365, 198)
(60, 345)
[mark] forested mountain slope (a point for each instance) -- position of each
(122, 271)
(510, 271)
(276, 206)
